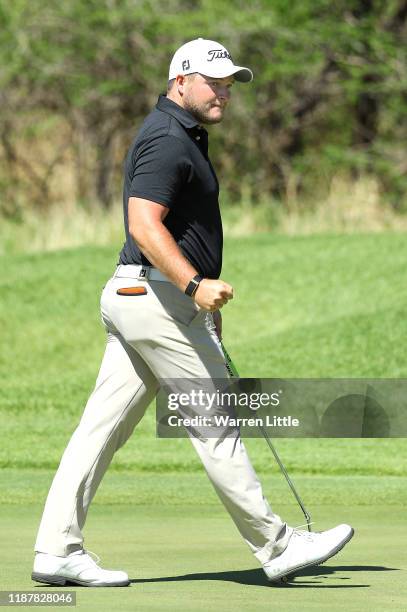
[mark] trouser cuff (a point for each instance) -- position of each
(274, 548)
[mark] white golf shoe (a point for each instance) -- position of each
(78, 567)
(307, 548)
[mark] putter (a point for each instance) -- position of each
(234, 373)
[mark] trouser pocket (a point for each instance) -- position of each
(178, 306)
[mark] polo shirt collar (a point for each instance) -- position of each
(175, 110)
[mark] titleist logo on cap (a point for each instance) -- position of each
(218, 54)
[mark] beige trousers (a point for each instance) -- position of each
(159, 335)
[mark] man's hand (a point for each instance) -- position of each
(213, 294)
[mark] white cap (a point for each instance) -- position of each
(208, 58)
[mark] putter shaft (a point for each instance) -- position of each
(288, 479)
(234, 373)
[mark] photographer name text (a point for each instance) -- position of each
(219, 420)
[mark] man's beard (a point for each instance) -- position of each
(200, 115)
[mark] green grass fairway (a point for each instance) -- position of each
(305, 307)
(315, 306)
(190, 558)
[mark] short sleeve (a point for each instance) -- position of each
(160, 170)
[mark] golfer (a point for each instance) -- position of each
(161, 311)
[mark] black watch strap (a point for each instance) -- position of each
(193, 285)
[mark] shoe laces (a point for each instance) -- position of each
(95, 558)
(304, 533)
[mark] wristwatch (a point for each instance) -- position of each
(193, 285)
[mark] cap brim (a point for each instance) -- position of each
(244, 75)
(241, 74)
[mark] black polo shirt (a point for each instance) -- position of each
(168, 163)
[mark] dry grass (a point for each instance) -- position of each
(62, 228)
(349, 207)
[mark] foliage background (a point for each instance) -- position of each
(327, 103)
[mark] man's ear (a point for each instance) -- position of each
(180, 83)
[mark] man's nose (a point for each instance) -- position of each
(224, 93)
